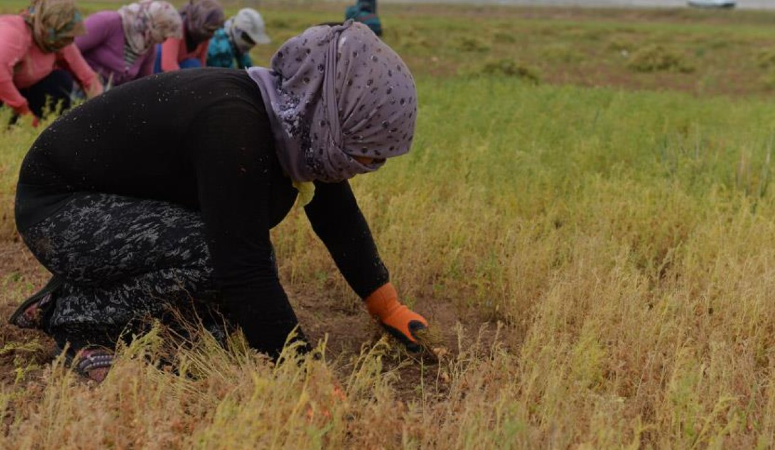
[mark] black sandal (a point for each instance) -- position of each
(31, 312)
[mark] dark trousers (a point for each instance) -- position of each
(127, 259)
(55, 88)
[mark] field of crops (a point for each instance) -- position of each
(586, 218)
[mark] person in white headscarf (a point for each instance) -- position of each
(230, 46)
(119, 45)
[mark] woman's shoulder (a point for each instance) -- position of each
(232, 86)
(104, 17)
(12, 22)
(221, 91)
(218, 77)
(106, 24)
(204, 85)
(14, 31)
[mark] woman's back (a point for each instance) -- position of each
(148, 138)
(103, 47)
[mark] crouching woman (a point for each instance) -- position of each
(38, 59)
(172, 194)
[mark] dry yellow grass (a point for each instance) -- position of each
(630, 264)
(623, 241)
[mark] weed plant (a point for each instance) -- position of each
(510, 68)
(656, 58)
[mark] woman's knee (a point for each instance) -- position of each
(51, 93)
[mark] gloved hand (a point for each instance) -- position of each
(395, 317)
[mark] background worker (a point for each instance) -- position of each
(38, 59)
(120, 45)
(201, 19)
(230, 46)
(175, 198)
(365, 11)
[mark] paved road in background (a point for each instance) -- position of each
(742, 4)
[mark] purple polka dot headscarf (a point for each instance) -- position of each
(334, 93)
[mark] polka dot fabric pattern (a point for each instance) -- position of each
(335, 93)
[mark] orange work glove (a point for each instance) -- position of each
(397, 318)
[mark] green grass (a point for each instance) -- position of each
(623, 239)
(715, 52)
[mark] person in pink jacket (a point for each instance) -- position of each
(119, 45)
(38, 58)
(201, 19)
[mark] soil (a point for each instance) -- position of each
(346, 329)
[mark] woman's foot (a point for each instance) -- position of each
(92, 362)
(31, 313)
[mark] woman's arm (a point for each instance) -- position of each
(339, 223)
(71, 59)
(231, 159)
(12, 51)
(202, 52)
(169, 54)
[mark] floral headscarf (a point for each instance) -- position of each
(54, 23)
(202, 18)
(334, 94)
(149, 22)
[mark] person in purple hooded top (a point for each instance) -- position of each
(120, 45)
(170, 204)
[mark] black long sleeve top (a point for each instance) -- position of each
(200, 138)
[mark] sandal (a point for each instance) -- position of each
(31, 312)
(92, 362)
